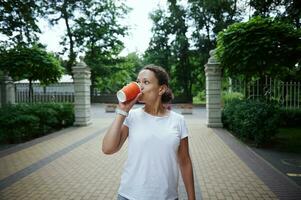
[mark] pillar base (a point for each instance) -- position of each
(214, 125)
(82, 123)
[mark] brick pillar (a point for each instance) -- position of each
(213, 92)
(82, 101)
(7, 90)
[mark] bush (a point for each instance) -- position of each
(47, 117)
(22, 122)
(290, 117)
(65, 114)
(251, 121)
(200, 97)
(230, 96)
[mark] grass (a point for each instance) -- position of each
(197, 100)
(288, 140)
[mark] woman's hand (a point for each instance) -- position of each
(127, 106)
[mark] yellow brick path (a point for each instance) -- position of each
(83, 172)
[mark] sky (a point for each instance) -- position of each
(138, 21)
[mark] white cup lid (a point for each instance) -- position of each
(121, 96)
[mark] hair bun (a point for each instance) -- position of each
(167, 96)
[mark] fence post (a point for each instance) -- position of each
(213, 92)
(7, 90)
(82, 102)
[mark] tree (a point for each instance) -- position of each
(32, 63)
(210, 17)
(18, 20)
(261, 46)
(98, 33)
(287, 10)
(92, 27)
(128, 67)
(159, 50)
(65, 10)
(292, 13)
(180, 48)
(169, 47)
(264, 8)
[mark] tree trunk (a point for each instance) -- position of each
(72, 55)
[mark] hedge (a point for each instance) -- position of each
(22, 122)
(253, 121)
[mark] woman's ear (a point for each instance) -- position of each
(162, 89)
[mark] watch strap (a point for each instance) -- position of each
(121, 112)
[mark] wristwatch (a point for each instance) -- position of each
(121, 112)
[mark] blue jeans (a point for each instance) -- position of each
(123, 198)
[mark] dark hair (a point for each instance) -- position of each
(163, 79)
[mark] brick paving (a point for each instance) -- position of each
(70, 165)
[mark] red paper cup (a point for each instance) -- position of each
(128, 92)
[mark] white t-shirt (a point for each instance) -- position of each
(151, 171)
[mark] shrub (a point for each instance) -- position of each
(47, 117)
(22, 122)
(200, 97)
(65, 114)
(229, 96)
(252, 121)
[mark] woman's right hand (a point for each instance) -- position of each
(127, 106)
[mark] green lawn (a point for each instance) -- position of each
(288, 140)
(197, 100)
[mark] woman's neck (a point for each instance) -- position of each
(155, 109)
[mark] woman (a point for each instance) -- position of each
(157, 142)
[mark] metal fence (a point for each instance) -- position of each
(288, 94)
(60, 92)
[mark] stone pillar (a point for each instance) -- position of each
(213, 92)
(82, 101)
(7, 90)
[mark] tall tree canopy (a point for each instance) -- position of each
(261, 46)
(92, 26)
(159, 50)
(18, 21)
(32, 63)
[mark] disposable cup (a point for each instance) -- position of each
(128, 92)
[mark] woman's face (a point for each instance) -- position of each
(150, 88)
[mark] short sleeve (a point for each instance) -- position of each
(128, 120)
(183, 128)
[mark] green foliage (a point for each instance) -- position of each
(290, 117)
(95, 30)
(98, 32)
(264, 8)
(169, 48)
(200, 98)
(184, 57)
(230, 96)
(261, 46)
(213, 16)
(286, 10)
(22, 122)
(32, 63)
(182, 69)
(127, 71)
(252, 121)
(292, 12)
(159, 50)
(16, 126)
(18, 20)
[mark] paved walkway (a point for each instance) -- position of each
(69, 165)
